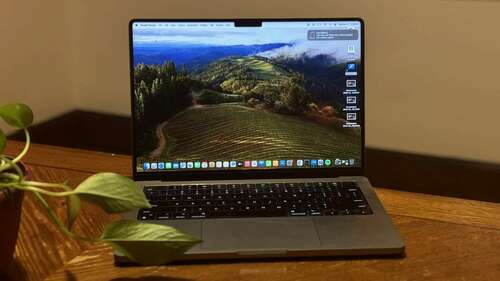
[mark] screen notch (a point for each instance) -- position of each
(247, 23)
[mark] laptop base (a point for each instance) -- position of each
(277, 237)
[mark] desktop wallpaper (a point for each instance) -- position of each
(240, 94)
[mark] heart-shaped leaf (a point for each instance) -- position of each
(17, 115)
(3, 141)
(147, 244)
(112, 192)
(73, 209)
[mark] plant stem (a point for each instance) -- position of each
(11, 176)
(25, 149)
(33, 185)
(53, 217)
(10, 184)
(11, 165)
(46, 184)
(24, 186)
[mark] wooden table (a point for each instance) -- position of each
(446, 238)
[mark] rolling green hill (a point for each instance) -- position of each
(233, 131)
(240, 75)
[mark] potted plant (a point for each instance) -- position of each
(111, 192)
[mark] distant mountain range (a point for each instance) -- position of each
(239, 68)
(196, 56)
(323, 78)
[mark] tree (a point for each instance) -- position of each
(156, 86)
(139, 94)
(294, 97)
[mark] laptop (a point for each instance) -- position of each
(249, 134)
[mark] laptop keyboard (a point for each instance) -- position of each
(254, 200)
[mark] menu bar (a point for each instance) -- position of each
(270, 24)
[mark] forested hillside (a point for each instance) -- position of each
(160, 92)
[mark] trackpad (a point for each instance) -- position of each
(263, 233)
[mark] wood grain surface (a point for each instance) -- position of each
(447, 238)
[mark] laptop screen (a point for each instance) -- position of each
(217, 95)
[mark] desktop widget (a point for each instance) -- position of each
(351, 93)
(246, 164)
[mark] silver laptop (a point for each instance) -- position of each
(249, 134)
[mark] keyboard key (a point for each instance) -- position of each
(145, 215)
(198, 215)
(297, 213)
(181, 215)
(164, 216)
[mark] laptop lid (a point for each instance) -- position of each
(251, 98)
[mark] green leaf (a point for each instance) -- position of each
(147, 244)
(17, 115)
(73, 209)
(3, 141)
(112, 192)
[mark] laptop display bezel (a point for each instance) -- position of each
(250, 173)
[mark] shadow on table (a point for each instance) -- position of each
(71, 277)
(291, 259)
(150, 278)
(128, 263)
(15, 272)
